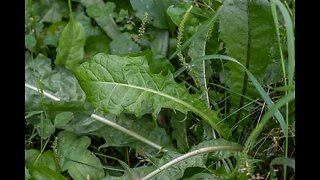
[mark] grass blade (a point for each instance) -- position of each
(255, 82)
(254, 134)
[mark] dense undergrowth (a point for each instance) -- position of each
(159, 89)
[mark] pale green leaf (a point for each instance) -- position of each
(45, 128)
(70, 50)
(26, 173)
(30, 42)
(124, 84)
(88, 165)
(63, 118)
(58, 82)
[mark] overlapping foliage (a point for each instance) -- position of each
(118, 59)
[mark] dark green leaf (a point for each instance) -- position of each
(248, 32)
(158, 63)
(71, 148)
(96, 44)
(156, 11)
(124, 84)
(179, 124)
(88, 165)
(70, 49)
(123, 44)
(53, 33)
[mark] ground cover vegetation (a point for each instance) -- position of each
(159, 89)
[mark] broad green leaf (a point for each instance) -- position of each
(88, 165)
(58, 82)
(34, 158)
(123, 44)
(42, 124)
(248, 33)
(156, 11)
(124, 84)
(29, 42)
(71, 148)
(70, 50)
(26, 173)
(102, 14)
(63, 118)
(40, 173)
(45, 128)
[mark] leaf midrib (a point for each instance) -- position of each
(187, 105)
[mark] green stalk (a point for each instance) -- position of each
(191, 154)
(70, 9)
(107, 122)
(197, 34)
(291, 59)
(254, 134)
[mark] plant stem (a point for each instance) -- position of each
(70, 9)
(107, 122)
(124, 130)
(190, 154)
